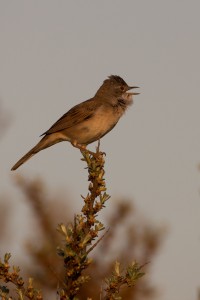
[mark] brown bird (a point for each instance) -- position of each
(90, 120)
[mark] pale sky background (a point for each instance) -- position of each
(55, 54)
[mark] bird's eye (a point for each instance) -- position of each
(122, 88)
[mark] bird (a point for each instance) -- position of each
(90, 120)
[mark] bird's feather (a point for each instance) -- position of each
(74, 116)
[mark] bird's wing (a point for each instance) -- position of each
(74, 116)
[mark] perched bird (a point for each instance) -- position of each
(90, 120)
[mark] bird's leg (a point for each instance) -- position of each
(77, 145)
(98, 147)
(81, 147)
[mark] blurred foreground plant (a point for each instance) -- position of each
(79, 238)
(13, 276)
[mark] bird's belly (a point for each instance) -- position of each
(93, 129)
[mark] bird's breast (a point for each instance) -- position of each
(101, 122)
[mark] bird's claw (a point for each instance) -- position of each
(83, 148)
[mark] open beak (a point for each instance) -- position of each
(133, 87)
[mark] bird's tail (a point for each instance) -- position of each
(43, 143)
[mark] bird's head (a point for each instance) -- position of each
(116, 87)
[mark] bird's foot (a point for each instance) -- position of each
(84, 149)
(81, 147)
